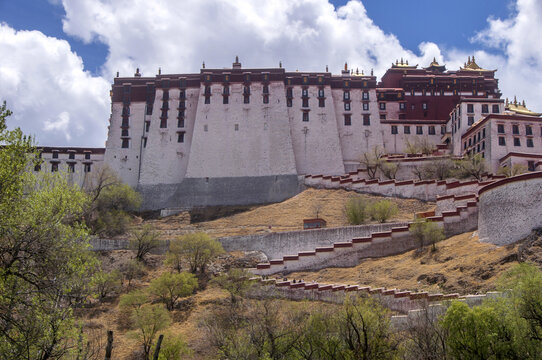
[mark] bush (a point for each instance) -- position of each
(356, 210)
(174, 255)
(509, 171)
(199, 249)
(172, 348)
(171, 287)
(426, 232)
(106, 283)
(148, 320)
(133, 270)
(143, 241)
(383, 210)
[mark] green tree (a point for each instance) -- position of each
(143, 241)
(111, 202)
(472, 166)
(43, 253)
(426, 232)
(149, 320)
(106, 283)
(133, 269)
(172, 348)
(199, 249)
(235, 282)
(516, 169)
(438, 169)
(390, 169)
(356, 210)
(174, 255)
(171, 287)
(383, 210)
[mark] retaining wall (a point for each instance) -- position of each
(378, 244)
(510, 209)
(277, 244)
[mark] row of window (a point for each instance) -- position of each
(475, 139)
(485, 108)
(71, 155)
(419, 130)
(517, 141)
(71, 167)
(515, 129)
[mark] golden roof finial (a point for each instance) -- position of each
(401, 61)
(523, 103)
(203, 65)
(473, 58)
(468, 62)
(515, 100)
(357, 71)
(236, 59)
(159, 71)
(345, 66)
(362, 72)
(327, 68)
(371, 72)
(407, 62)
(280, 64)
(434, 59)
(506, 103)
(396, 62)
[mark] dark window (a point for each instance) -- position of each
(124, 132)
(320, 92)
(478, 148)
(266, 89)
(246, 99)
(382, 106)
(236, 127)
(530, 142)
(54, 167)
(347, 106)
(500, 128)
(71, 156)
(305, 116)
(55, 154)
(144, 142)
(470, 141)
(478, 136)
(87, 167)
(207, 90)
(180, 122)
(443, 130)
(406, 129)
(394, 129)
(305, 102)
(289, 102)
(180, 137)
(147, 126)
(289, 92)
(226, 90)
(71, 167)
(207, 99)
(304, 92)
(366, 119)
(346, 95)
(517, 142)
(163, 123)
(246, 90)
(483, 145)
(37, 167)
(87, 156)
(402, 106)
(182, 104)
(366, 106)
(495, 109)
(485, 108)
(484, 133)
(347, 120)
(470, 108)
(465, 145)
(382, 116)
(321, 102)
(266, 99)
(530, 165)
(149, 109)
(431, 130)
(419, 130)
(365, 95)
(125, 143)
(424, 106)
(528, 130)
(225, 99)
(470, 120)
(515, 129)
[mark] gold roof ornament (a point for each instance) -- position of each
(327, 68)
(519, 108)
(345, 66)
(471, 65)
(203, 65)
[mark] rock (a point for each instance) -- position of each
(431, 279)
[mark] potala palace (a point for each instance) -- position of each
(244, 136)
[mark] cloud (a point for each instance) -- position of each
(50, 94)
(520, 69)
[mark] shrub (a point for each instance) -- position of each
(133, 270)
(356, 210)
(390, 169)
(106, 283)
(509, 171)
(148, 321)
(383, 210)
(171, 287)
(199, 249)
(174, 255)
(172, 348)
(426, 232)
(144, 241)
